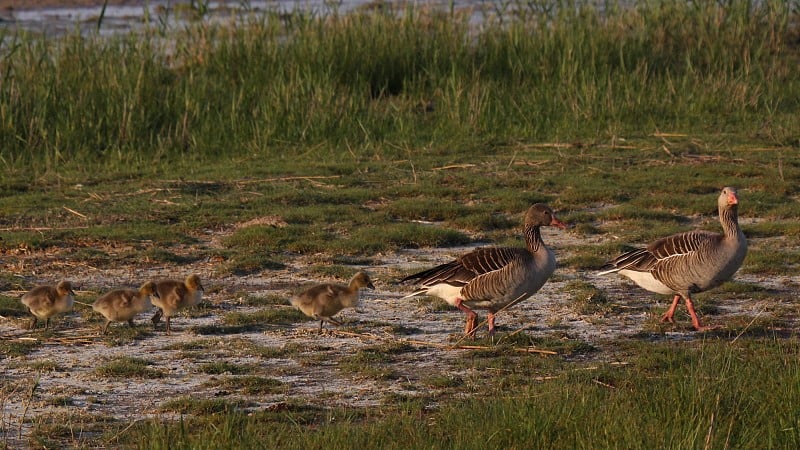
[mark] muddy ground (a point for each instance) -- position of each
(66, 361)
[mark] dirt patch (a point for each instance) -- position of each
(416, 336)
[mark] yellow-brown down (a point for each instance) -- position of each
(46, 301)
(122, 305)
(322, 301)
(174, 296)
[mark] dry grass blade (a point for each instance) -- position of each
(70, 210)
(454, 166)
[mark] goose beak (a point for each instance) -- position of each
(557, 223)
(733, 199)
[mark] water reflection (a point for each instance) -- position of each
(52, 21)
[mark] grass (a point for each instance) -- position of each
(250, 385)
(587, 299)
(128, 367)
(710, 383)
(361, 134)
(198, 406)
(267, 316)
(11, 349)
(223, 367)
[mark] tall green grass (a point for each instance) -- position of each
(389, 84)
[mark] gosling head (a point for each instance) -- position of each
(193, 281)
(361, 280)
(64, 288)
(150, 289)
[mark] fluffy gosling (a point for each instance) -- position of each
(175, 295)
(323, 301)
(46, 301)
(122, 305)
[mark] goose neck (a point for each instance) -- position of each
(533, 238)
(728, 217)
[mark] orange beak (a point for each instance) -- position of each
(557, 223)
(733, 199)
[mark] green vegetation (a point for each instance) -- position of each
(217, 368)
(13, 307)
(685, 395)
(9, 348)
(249, 385)
(587, 299)
(127, 367)
(403, 129)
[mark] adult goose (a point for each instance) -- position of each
(494, 278)
(689, 262)
(174, 295)
(122, 305)
(322, 301)
(46, 301)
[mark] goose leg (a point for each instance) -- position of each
(130, 322)
(168, 328)
(695, 320)
(490, 320)
(33, 324)
(47, 323)
(105, 328)
(469, 328)
(157, 316)
(667, 317)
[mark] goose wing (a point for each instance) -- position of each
(467, 267)
(666, 251)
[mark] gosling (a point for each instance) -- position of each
(46, 301)
(122, 305)
(323, 301)
(175, 295)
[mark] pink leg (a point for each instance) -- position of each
(695, 320)
(490, 320)
(469, 327)
(667, 317)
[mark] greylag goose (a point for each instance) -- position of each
(46, 301)
(322, 301)
(122, 305)
(494, 278)
(174, 295)
(689, 262)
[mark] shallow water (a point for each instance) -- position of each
(53, 21)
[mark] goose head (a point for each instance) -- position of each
(728, 198)
(540, 215)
